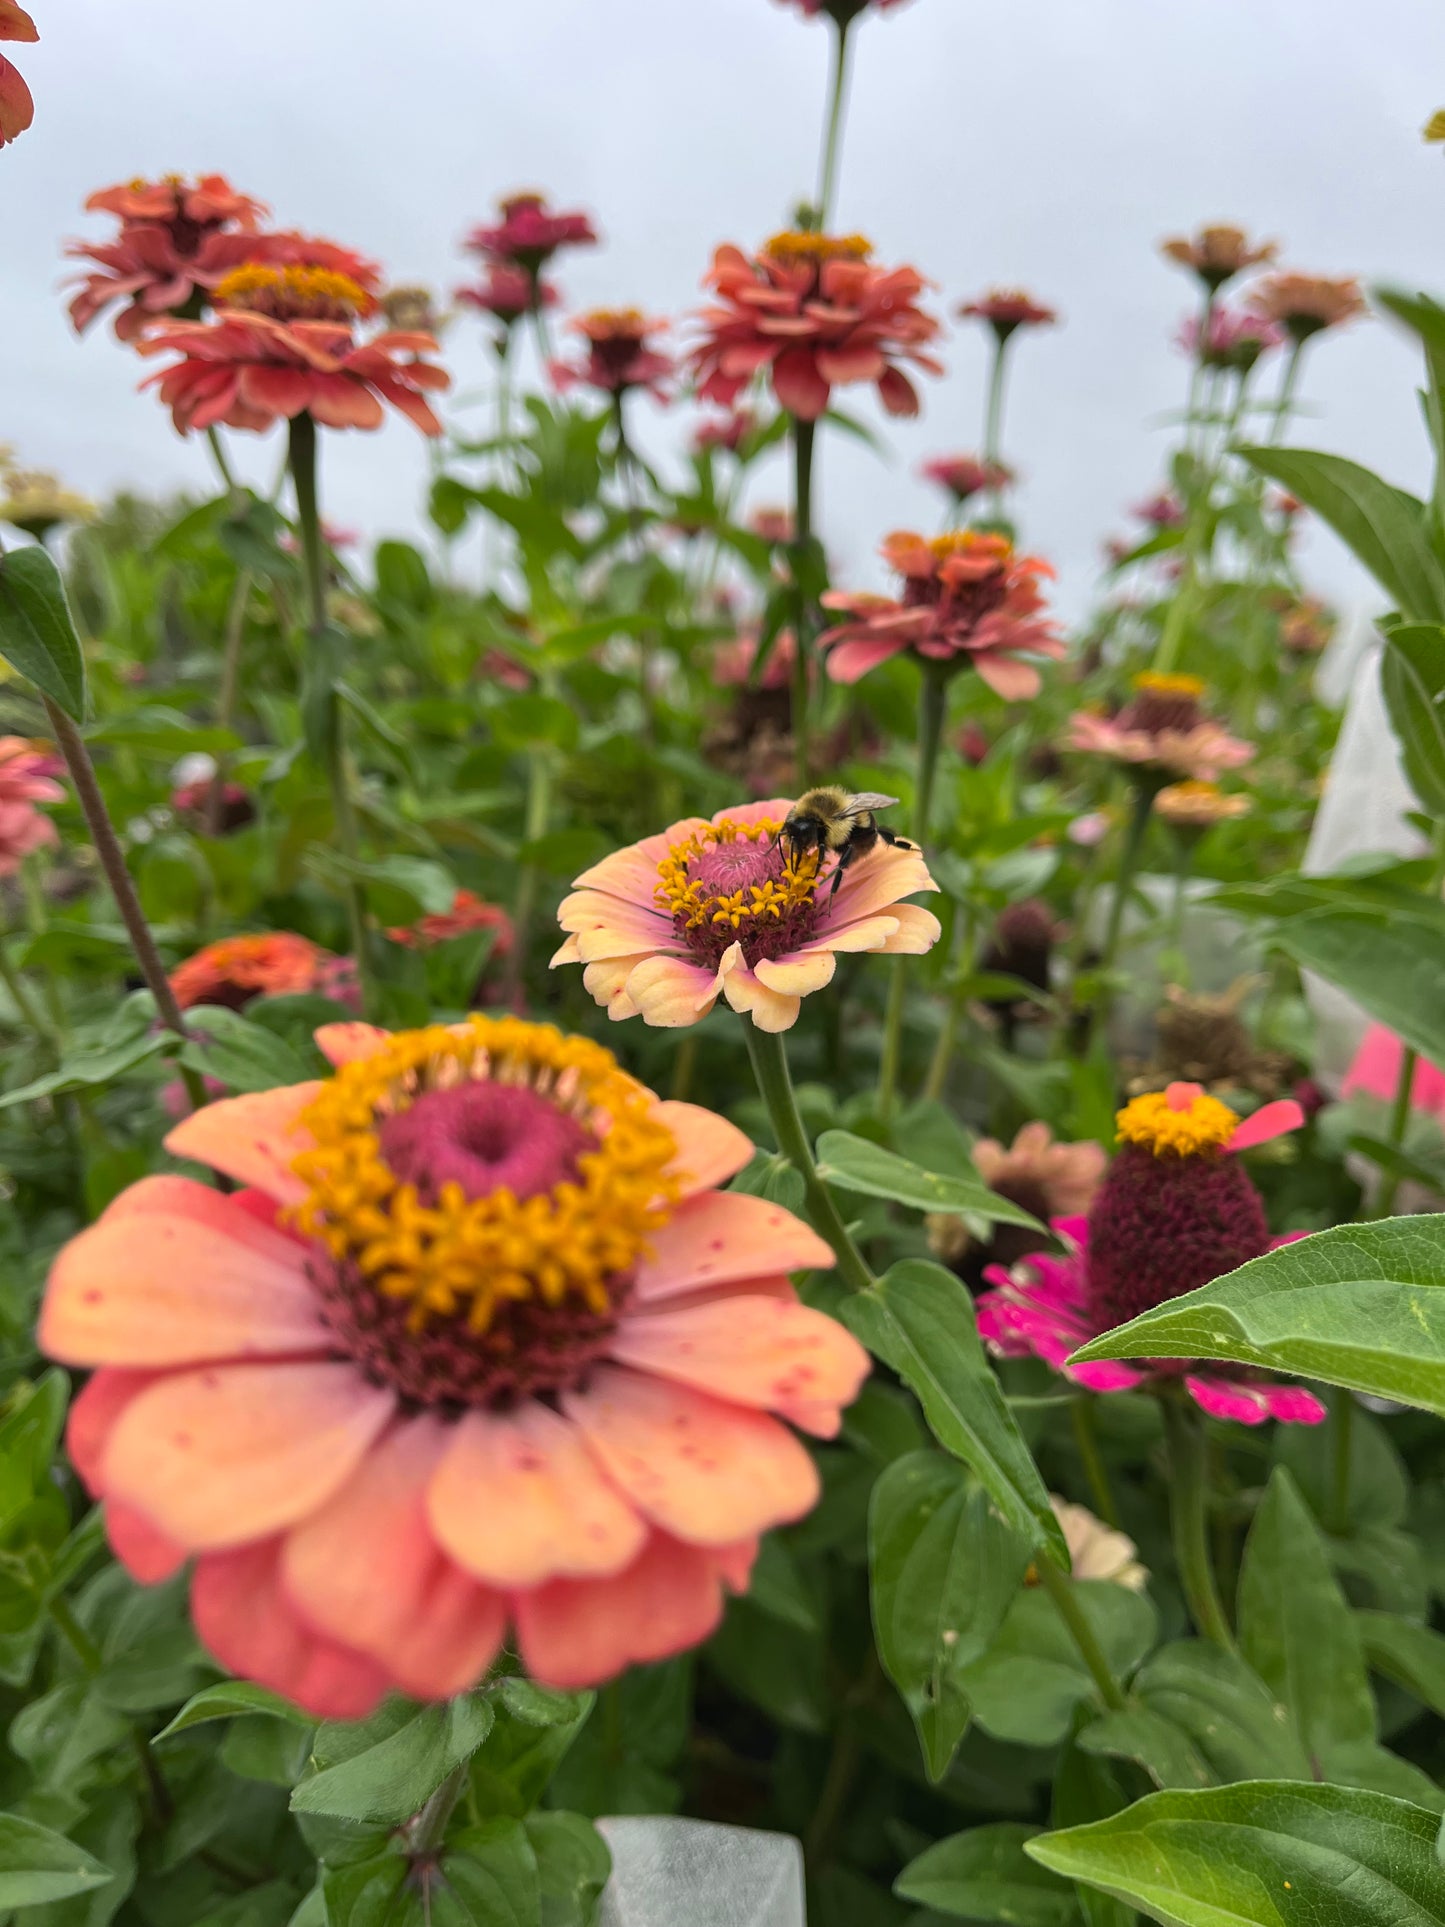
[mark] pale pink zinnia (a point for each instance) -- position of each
(27, 777)
(1163, 729)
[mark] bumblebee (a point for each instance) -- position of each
(831, 820)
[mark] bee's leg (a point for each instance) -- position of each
(847, 855)
(897, 842)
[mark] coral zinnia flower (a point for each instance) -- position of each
(964, 476)
(1217, 253)
(1306, 627)
(619, 353)
(1197, 806)
(968, 599)
(1162, 729)
(17, 108)
(1175, 1211)
(281, 343)
(508, 292)
(1162, 511)
(1233, 340)
(709, 909)
(728, 431)
(27, 777)
(480, 1341)
(814, 312)
(1303, 304)
(1005, 309)
(273, 963)
(468, 913)
(530, 233)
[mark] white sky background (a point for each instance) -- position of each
(1048, 143)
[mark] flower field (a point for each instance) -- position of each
(648, 1168)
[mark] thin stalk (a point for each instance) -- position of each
(775, 1083)
(1395, 1131)
(1188, 1497)
(540, 331)
(30, 1012)
(955, 1013)
(122, 887)
(1284, 401)
(832, 140)
(218, 455)
(426, 1829)
(932, 709)
(804, 437)
(1060, 1588)
(993, 416)
(684, 1068)
(1092, 1459)
(1192, 424)
(226, 701)
(1128, 864)
(1343, 1428)
(536, 821)
(308, 515)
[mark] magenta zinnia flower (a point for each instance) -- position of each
(529, 232)
(965, 475)
(1175, 1211)
(620, 354)
(508, 292)
(844, 12)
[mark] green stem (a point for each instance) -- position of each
(1092, 1459)
(832, 142)
(1284, 402)
(804, 437)
(1188, 1500)
(1343, 1441)
(1060, 1588)
(993, 417)
(226, 701)
(303, 452)
(1128, 863)
(535, 824)
(1396, 1130)
(932, 709)
(775, 1083)
(684, 1068)
(76, 1637)
(218, 453)
(426, 1829)
(30, 1012)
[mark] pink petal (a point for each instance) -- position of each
(577, 1633)
(1227, 1399)
(798, 975)
(147, 1555)
(770, 1010)
(709, 1149)
(95, 1411)
(798, 385)
(350, 1043)
(671, 993)
(1270, 1121)
(253, 1139)
(726, 1238)
(848, 661)
(1006, 676)
(606, 983)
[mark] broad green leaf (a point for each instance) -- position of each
(573, 1866)
(1391, 962)
(244, 1055)
(37, 1865)
(1383, 525)
(533, 1732)
(1087, 1789)
(1358, 1306)
(37, 632)
(1413, 1656)
(944, 1569)
(230, 1700)
(985, 1875)
(920, 1321)
(1028, 1685)
(854, 1164)
(1263, 1853)
(368, 1893)
(386, 1768)
(1412, 676)
(489, 1879)
(403, 580)
(1295, 1628)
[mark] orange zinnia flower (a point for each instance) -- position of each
(274, 963)
(480, 1342)
(1303, 304)
(814, 312)
(1218, 253)
(709, 909)
(282, 343)
(17, 109)
(468, 913)
(1007, 309)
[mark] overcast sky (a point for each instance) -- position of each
(1048, 143)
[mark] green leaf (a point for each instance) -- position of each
(489, 1879)
(403, 580)
(1392, 964)
(37, 1865)
(1412, 676)
(388, 1767)
(244, 1055)
(573, 1866)
(1027, 1686)
(229, 1700)
(1384, 526)
(986, 1875)
(853, 1164)
(367, 1893)
(37, 633)
(1413, 1656)
(1357, 1306)
(944, 1571)
(1263, 1853)
(920, 1321)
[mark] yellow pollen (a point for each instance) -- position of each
(969, 542)
(461, 1257)
(1159, 685)
(801, 244)
(1182, 1120)
(622, 320)
(688, 898)
(293, 290)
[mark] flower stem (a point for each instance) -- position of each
(1092, 1459)
(1395, 1132)
(1284, 402)
(218, 454)
(832, 140)
(122, 887)
(30, 1012)
(535, 823)
(226, 700)
(932, 708)
(775, 1083)
(993, 416)
(303, 480)
(1188, 1495)
(804, 436)
(1060, 1588)
(1128, 864)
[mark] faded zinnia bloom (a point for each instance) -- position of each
(727, 431)
(814, 312)
(1006, 310)
(1197, 806)
(273, 963)
(1164, 510)
(1234, 339)
(1097, 1551)
(479, 1344)
(968, 599)
(1218, 253)
(283, 342)
(17, 108)
(709, 909)
(528, 232)
(620, 353)
(1175, 1210)
(1306, 627)
(1162, 729)
(27, 778)
(1303, 304)
(34, 500)
(964, 476)
(508, 292)
(1046, 1178)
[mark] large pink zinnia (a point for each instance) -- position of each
(968, 599)
(1175, 1210)
(812, 311)
(479, 1343)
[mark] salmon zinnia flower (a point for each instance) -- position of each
(620, 354)
(709, 909)
(508, 292)
(17, 108)
(844, 12)
(1163, 729)
(274, 963)
(480, 1342)
(968, 600)
(964, 476)
(1218, 253)
(283, 342)
(1303, 304)
(27, 777)
(814, 312)
(1007, 309)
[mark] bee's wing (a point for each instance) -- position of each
(868, 800)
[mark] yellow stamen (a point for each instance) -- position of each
(969, 542)
(688, 898)
(467, 1257)
(293, 290)
(801, 244)
(1183, 1120)
(1161, 685)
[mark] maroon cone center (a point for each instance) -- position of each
(484, 1138)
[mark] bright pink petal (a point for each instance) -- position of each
(576, 1633)
(1270, 1121)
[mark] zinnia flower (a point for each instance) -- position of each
(1175, 1211)
(530, 233)
(732, 661)
(282, 343)
(17, 108)
(275, 963)
(1216, 254)
(196, 801)
(1198, 806)
(709, 909)
(508, 292)
(468, 913)
(1044, 1178)
(1161, 511)
(480, 1343)
(812, 311)
(1303, 304)
(1375, 1071)
(1163, 730)
(844, 12)
(34, 500)
(27, 777)
(1234, 339)
(1097, 1551)
(965, 476)
(1306, 626)
(968, 600)
(1006, 309)
(728, 431)
(619, 353)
